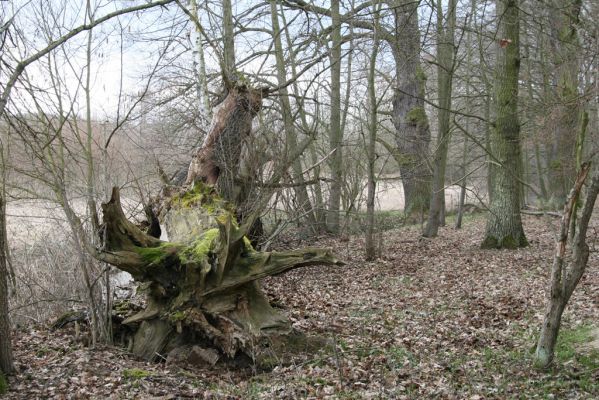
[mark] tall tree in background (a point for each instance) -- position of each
(504, 223)
(335, 134)
(371, 143)
(301, 192)
(412, 133)
(228, 40)
(566, 106)
(409, 117)
(445, 66)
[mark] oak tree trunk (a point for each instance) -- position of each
(409, 116)
(504, 223)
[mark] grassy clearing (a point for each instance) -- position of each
(136, 373)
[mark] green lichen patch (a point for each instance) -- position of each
(420, 75)
(177, 316)
(248, 244)
(417, 116)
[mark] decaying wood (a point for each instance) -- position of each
(231, 124)
(202, 283)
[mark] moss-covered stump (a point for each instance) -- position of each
(202, 284)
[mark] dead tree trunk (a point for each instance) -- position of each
(565, 276)
(202, 284)
(217, 161)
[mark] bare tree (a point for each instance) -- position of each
(565, 274)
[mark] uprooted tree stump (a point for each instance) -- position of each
(202, 284)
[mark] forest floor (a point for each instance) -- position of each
(431, 319)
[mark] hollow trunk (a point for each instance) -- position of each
(217, 161)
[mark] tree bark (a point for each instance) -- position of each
(504, 223)
(445, 65)
(409, 117)
(565, 276)
(219, 156)
(335, 133)
(6, 357)
(370, 247)
(301, 193)
(228, 41)
(564, 19)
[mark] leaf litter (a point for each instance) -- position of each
(434, 318)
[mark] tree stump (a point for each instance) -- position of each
(201, 285)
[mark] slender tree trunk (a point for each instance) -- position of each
(371, 148)
(409, 117)
(6, 357)
(335, 134)
(504, 223)
(445, 64)
(228, 40)
(468, 83)
(200, 65)
(301, 193)
(318, 203)
(565, 274)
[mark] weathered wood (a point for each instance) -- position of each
(231, 125)
(203, 281)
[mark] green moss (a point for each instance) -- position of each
(205, 244)
(508, 242)
(3, 384)
(177, 316)
(248, 244)
(153, 255)
(203, 196)
(490, 242)
(417, 116)
(136, 373)
(192, 196)
(420, 75)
